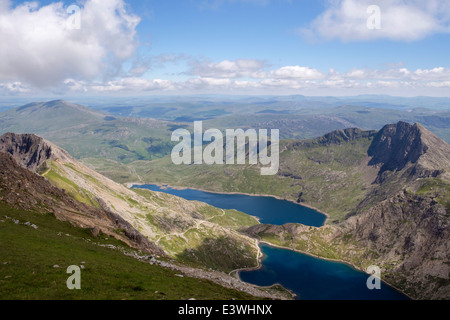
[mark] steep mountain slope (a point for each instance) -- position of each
(406, 155)
(36, 250)
(23, 189)
(31, 151)
(183, 229)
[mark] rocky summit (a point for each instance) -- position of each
(399, 145)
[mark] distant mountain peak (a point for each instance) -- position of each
(58, 104)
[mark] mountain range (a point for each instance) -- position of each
(386, 194)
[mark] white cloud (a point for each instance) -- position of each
(432, 74)
(239, 68)
(15, 87)
(297, 72)
(201, 83)
(39, 48)
(133, 84)
(400, 20)
(441, 84)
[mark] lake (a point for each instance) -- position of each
(311, 278)
(269, 210)
(308, 277)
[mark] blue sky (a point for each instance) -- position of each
(225, 46)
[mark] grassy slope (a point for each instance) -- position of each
(207, 240)
(27, 257)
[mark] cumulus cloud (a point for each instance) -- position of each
(14, 87)
(348, 20)
(439, 73)
(287, 79)
(239, 68)
(39, 46)
(128, 84)
(297, 72)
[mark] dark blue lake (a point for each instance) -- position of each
(269, 210)
(311, 278)
(308, 277)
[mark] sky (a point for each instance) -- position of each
(242, 47)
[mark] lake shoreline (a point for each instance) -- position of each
(322, 258)
(162, 186)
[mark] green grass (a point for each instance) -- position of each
(243, 253)
(438, 188)
(58, 180)
(27, 257)
(235, 220)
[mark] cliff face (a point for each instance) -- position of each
(31, 151)
(395, 145)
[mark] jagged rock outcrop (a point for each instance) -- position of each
(31, 151)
